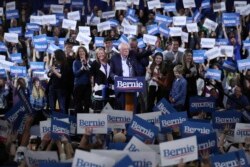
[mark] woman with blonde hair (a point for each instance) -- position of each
(37, 98)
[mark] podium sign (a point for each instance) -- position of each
(129, 84)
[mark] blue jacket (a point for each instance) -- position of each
(82, 77)
(179, 91)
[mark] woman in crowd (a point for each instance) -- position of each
(37, 98)
(100, 70)
(82, 83)
(58, 76)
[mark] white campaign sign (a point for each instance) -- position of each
(149, 39)
(69, 24)
(175, 31)
(83, 38)
(74, 15)
(109, 14)
(83, 158)
(125, 22)
(36, 19)
(136, 145)
(245, 10)
(179, 20)
(130, 30)
(64, 1)
(209, 24)
(107, 107)
(118, 118)
(227, 50)
(144, 158)
(120, 5)
(98, 122)
(103, 26)
(192, 27)
(184, 37)
(221, 6)
(188, 3)
(10, 6)
(48, 19)
(56, 8)
(173, 151)
(33, 158)
(154, 4)
(241, 131)
(45, 127)
(152, 117)
(85, 30)
(94, 21)
(213, 53)
(6, 65)
(207, 42)
(11, 37)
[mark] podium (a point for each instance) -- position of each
(129, 86)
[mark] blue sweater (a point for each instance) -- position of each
(82, 77)
(179, 91)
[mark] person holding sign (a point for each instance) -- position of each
(154, 76)
(82, 84)
(178, 92)
(58, 74)
(100, 69)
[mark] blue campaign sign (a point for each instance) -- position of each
(23, 97)
(51, 40)
(221, 41)
(229, 66)
(55, 164)
(59, 129)
(77, 3)
(20, 71)
(161, 18)
(33, 26)
(113, 22)
(164, 30)
(237, 158)
(59, 16)
(12, 14)
(223, 118)
(125, 162)
(243, 64)
(198, 56)
(130, 12)
(3, 48)
(99, 41)
(188, 128)
(40, 38)
(197, 16)
(170, 7)
(201, 104)
(2, 73)
(37, 65)
(231, 19)
(16, 30)
(14, 112)
(117, 146)
(205, 4)
(246, 44)
(213, 74)
(141, 43)
(207, 142)
(129, 84)
(133, 19)
(172, 120)
(123, 38)
(29, 34)
(164, 106)
(41, 46)
(16, 57)
(142, 129)
(152, 29)
(58, 115)
(116, 43)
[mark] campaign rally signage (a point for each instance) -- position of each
(201, 104)
(227, 50)
(144, 158)
(221, 41)
(118, 118)
(207, 42)
(36, 20)
(149, 39)
(97, 122)
(161, 18)
(133, 19)
(209, 24)
(155, 4)
(108, 14)
(140, 43)
(205, 4)
(223, 118)
(220, 6)
(6, 65)
(246, 44)
(213, 53)
(84, 158)
(189, 4)
(142, 129)
(207, 142)
(75, 15)
(23, 97)
(2, 73)
(198, 56)
(131, 29)
(3, 48)
(164, 30)
(33, 158)
(129, 84)
(52, 48)
(45, 127)
(189, 128)
(59, 129)
(173, 151)
(41, 46)
(151, 117)
(56, 8)
(4, 130)
(37, 65)
(69, 24)
(213, 74)
(11, 37)
(175, 31)
(55, 164)
(14, 112)
(229, 66)
(124, 162)
(230, 19)
(99, 41)
(136, 145)
(243, 64)
(12, 14)
(192, 27)
(103, 26)
(164, 106)
(49, 19)
(16, 57)
(17, 30)
(232, 159)
(241, 131)
(40, 38)
(121, 5)
(29, 34)
(18, 70)
(172, 120)
(10, 5)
